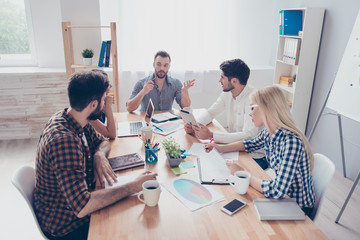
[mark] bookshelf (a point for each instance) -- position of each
(71, 66)
(304, 66)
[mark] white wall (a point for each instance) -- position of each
(46, 18)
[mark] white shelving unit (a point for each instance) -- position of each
(299, 94)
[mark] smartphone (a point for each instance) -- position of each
(233, 206)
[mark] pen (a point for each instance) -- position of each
(158, 128)
(211, 140)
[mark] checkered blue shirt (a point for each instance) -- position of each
(285, 153)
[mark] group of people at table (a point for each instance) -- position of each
(73, 147)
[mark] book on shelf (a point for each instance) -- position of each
(102, 54)
(286, 80)
(126, 161)
(281, 23)
(107, 53)
(291, 22)
(291, 51)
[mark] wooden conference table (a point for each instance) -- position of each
(170, 219)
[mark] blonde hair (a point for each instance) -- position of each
(272, 102)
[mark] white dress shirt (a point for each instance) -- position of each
(239, 123)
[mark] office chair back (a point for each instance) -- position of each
(24, 180)
(323, 172)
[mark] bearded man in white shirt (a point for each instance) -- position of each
(235, 102)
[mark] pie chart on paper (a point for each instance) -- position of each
(169, 126)
(192, 191)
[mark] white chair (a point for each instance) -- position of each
(24, 180)
(323, 172)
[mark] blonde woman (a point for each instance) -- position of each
(286, 148)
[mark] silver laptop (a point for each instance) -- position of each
(126, 129)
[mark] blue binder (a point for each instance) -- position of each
(102, 54)
(291, 22)
(107, 53)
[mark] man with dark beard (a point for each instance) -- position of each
(160, 88)
(234, 102)
(71, 155)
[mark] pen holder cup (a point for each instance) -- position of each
(151, 155)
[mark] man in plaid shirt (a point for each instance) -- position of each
(70, 156)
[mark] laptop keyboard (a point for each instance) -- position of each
(135, 127)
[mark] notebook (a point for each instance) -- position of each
(126, 161)
(278, 209)
(163, 117)
(126, 129)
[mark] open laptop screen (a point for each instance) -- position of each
(149, 111)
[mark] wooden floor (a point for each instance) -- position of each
(17, 223)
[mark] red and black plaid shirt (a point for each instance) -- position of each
(64, 173)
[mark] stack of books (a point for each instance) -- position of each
(291, 51)
(105, 52)
(286, 80)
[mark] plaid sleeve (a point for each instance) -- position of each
(96, 138)
(292, 149)
(255, 143)
(67, 159)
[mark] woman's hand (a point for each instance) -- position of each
(209, 146)
(233, 167)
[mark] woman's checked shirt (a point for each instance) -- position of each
(285, 153)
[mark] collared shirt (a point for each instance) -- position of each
(64, 173)
(163, 100)
(286, 154)
(239, 123)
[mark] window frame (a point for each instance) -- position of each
(33, 59)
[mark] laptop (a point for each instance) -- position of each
(126, 129)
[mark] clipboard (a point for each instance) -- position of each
(213, 170)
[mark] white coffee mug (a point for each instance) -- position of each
(145, 133)
(151, 193)
(240, 181)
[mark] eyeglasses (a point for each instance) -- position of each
(252, 106)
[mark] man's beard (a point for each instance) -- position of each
(96, 114)
(163, 74)
(231, 87)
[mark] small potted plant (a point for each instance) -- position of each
(87, 54)
(172, 150)
(294, 79)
